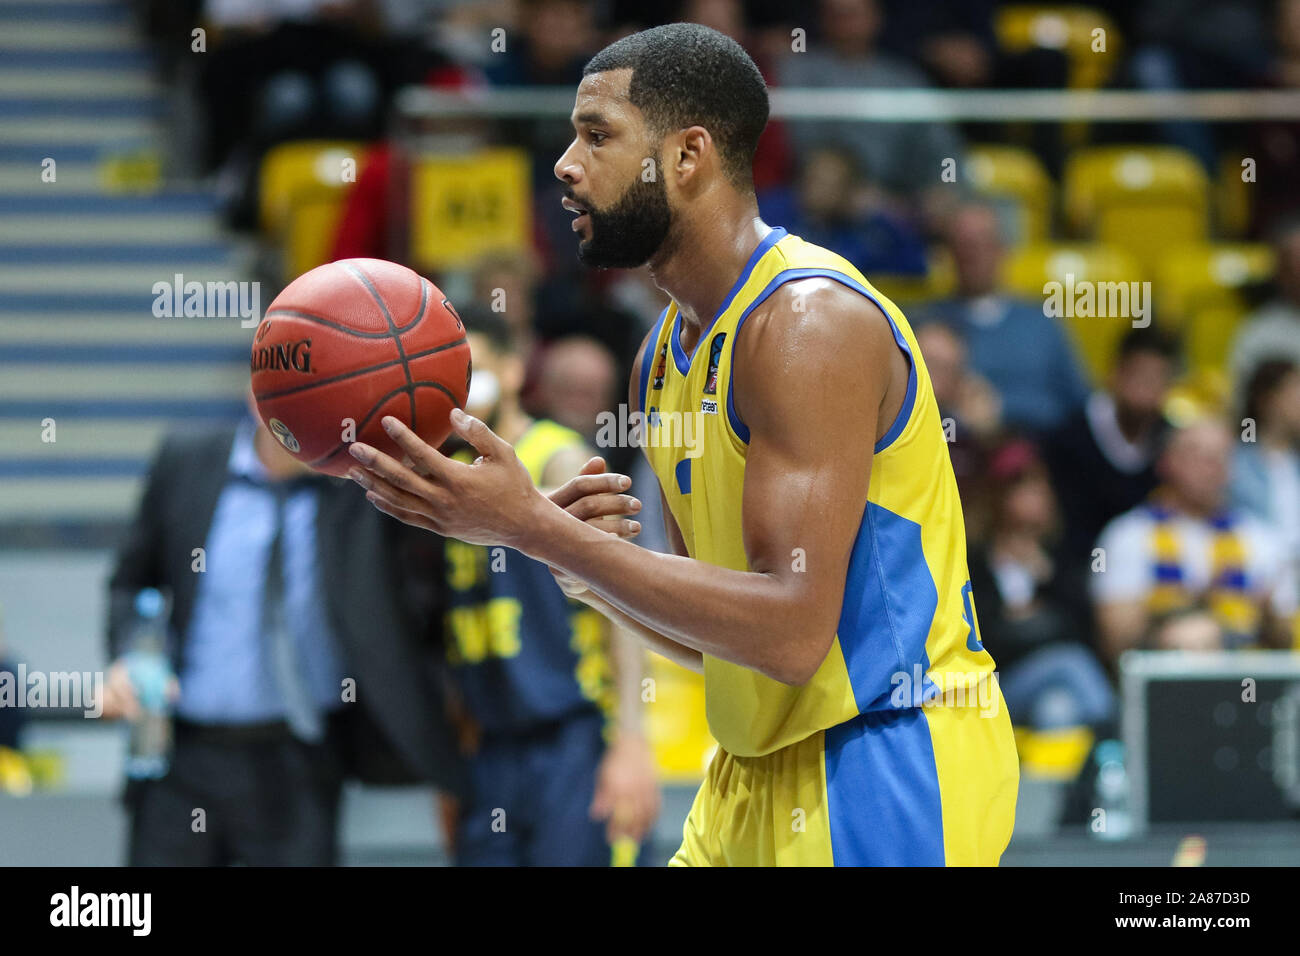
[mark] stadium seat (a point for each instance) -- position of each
(302, 187)
(1015, 181)
(1068, 28)
(1200, 276)
(1232, 204)
(1053, 754)
(1027, 272)
(1072, 30)
(1143, 198)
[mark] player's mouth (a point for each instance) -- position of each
(583, 217)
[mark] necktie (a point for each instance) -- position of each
(286, 665)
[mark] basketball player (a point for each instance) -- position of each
(549, 691)
(819, 580)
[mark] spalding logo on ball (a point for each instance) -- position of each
(348, 343)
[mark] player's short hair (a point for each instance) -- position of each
(685, 74)
(479, 320)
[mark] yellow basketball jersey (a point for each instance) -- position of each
(907, 630)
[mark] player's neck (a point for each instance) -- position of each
(705, 259)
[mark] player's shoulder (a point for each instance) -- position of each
(821, 312)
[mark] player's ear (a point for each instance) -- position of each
(693, 146)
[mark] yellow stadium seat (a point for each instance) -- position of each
(1089, 285)
(1143, 198)
(1015, 181)
(1086, 36)
(1207, 339)
(302, 189)
(1072, 29)
(1208, 275)
(1053, 754)
(1231, 198)
(676, 724)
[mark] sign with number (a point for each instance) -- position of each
(469, 205)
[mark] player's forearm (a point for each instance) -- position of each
(641, 635)
(746, 617)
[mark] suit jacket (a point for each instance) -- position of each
(382, 582)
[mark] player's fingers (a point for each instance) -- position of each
(583, 485)
(393, 496)
(594, 466)
(379, 466)
(623, 527)
(426, 460)
(484, 440)
(413, 518)
(595, 506)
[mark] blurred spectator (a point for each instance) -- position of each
(905, 158)
(1266, 471)
(1274, 145)
(301, 591)
(832, 205)
(1102, 458)
(1197, 45)
(969, 408)
(1273, 331)
(952, 39)
(1033, 623)
(578, 385)
(288, 69)
(578, 382)
(1185, 546)
(1185, 629)
(550, 691)
(1025, 354)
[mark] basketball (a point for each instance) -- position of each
(348, 343)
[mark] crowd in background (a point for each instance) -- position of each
(1096, 522)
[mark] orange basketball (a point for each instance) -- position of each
(348, 343)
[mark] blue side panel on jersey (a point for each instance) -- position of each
(882, 791)
(682, 471)
(883, 631)
(789, 275)
(648, 358)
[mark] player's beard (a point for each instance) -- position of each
(626, 234)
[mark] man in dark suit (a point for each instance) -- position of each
(300, 633)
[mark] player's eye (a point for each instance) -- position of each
(597, 138)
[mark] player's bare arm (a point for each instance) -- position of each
(814, 366)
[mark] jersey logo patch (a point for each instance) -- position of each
(661, 368)
(715, 356)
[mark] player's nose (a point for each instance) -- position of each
(567, 168)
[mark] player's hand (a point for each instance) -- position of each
(492, 501)
(627, 791)
(592, 496)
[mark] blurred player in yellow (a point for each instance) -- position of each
(819, 580)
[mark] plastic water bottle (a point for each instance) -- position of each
(1111, 794)
(150, 671)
